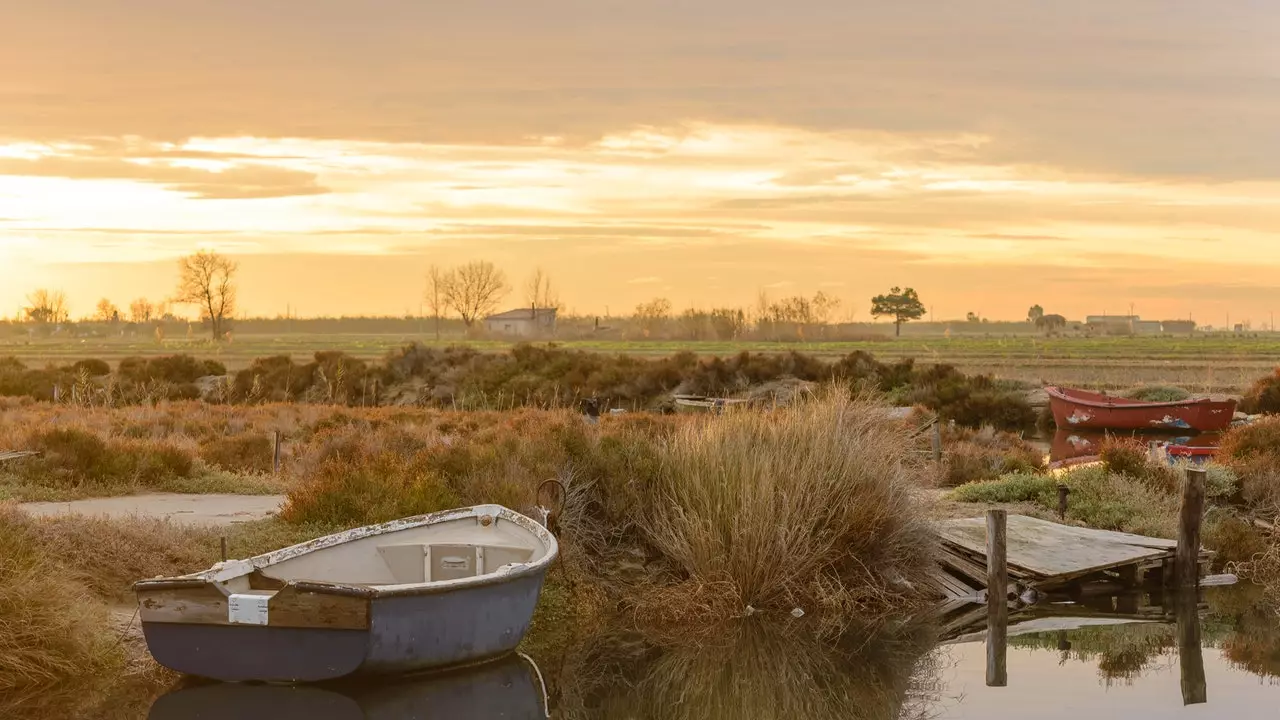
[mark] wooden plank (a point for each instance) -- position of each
(16, 454)
(204, 604)
(1049, 549)
(289, 607)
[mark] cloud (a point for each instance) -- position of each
(647, 280)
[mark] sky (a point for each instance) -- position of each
(1088, 156)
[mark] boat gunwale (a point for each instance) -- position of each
(1066, 395)
(221, 572)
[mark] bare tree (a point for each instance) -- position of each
(141, 311)
(106, 311)
(437, 297)
(474, 290)
(206, 280)
(538, 292)
(44, 306)
(653, 315)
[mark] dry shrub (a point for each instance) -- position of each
(1253, 452)
(1111, 501)
(74, 458)
(51, 629)
(1264, 396)
(987, 454)
(367, 481)
(1232, 538)
(251, 453)
(1158, 393)
(811, 505)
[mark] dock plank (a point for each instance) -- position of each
(1051, 550)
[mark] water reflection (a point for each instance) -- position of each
(1075, 444)
(507, 688)
(756, 670)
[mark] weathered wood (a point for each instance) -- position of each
(1187, 561)
(1063, 492)
(1190, 655)
(997, 599)
(16, 454)
(287, 607)
(275, 455)
(292, 607)
(203, 604)
(937, 441)
(1051, 550)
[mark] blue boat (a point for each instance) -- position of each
(450, 588)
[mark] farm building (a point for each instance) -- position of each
(1179, 327)
(1123, 324)
(523, 322)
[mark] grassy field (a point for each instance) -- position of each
(1204, 363)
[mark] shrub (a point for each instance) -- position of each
(94, 368)
(364, 485)
(1253, 452)
(1110, 501)
(248, 453)
(1011, 488)
(1232, 538)
(74, 458)
(810, 505)
(986, 454)
(1124, 456)
(1158, 393)
(1264, 396)
(51, 630)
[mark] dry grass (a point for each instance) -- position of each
(809, 506)
(51, 627)
(986, 454)
(1253, 452)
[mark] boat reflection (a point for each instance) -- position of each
(508, 688)
(1070, 445)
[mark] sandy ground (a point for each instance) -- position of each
(206, 510)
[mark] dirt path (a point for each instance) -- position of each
(206, 510)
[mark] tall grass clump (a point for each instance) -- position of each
(811, 505)
(1264, 396)
(51, 628)
(1253, 452)
(986, 454)
(1012, 488)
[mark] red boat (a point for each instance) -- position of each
(1086, 410)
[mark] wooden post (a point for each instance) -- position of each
(937, 441)
(997, 599)
(1190, 657)
(275, 457)
(224, 548)
(1063, 492)
(1187, 561)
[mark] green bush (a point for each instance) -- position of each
(1011, 488)
(1158, 393)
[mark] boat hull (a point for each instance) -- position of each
(405, 633)
(1073, 409)
(510, 687)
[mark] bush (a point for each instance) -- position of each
(74, 458)
(986, 454)
(248, 453)
(1124, 456)
(368, 484)
(1011, 488)
(1252, 452)
(94, 368)
(1158, 393)
(1264, 396)
(1109, 501)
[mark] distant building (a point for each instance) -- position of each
(1179, 327)
(523, 322)
(1123, 325)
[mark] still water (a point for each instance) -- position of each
(1070, 662)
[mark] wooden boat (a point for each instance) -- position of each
(432, 591)
(511, 687)
(1086, 410)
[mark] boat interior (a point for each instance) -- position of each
(451, 550)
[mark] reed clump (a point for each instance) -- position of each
(809, 506)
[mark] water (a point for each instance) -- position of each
(1058, 667)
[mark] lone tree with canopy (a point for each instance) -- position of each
(206, 280)
(901, 305)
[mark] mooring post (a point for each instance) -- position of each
(937, 441)
(1190, 657)
(1063, 492)
(1186, 564)
(224, 548)
(275, 455)
(997, 599)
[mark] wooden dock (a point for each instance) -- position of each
(6, 455)
(1048, 557)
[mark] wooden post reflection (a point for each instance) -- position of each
(997, 599)
(1190, 657)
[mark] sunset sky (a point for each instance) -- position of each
(993, 154)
